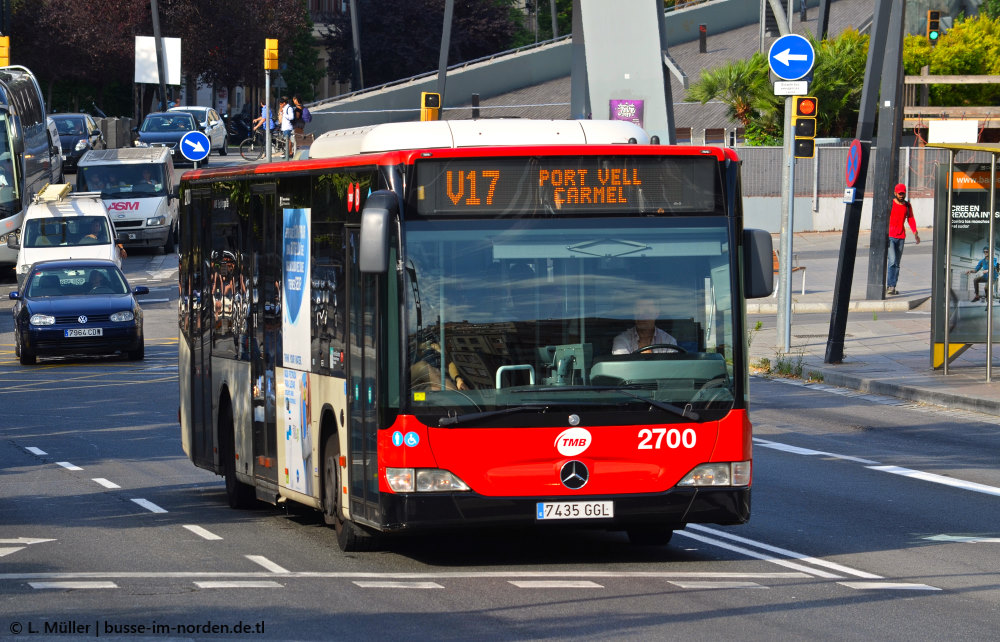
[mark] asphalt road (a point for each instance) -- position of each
(871, 519)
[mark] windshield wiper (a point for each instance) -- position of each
(472, 416)
(685, 412)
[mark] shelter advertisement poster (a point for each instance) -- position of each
(295, 290)
(969, 224)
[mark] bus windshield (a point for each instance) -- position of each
(623, 314)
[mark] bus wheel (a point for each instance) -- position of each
(350, 537)
(240, 495)
(649, 535)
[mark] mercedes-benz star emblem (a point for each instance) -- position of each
(82, 318)
(574, 475)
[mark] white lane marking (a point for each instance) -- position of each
(760, 556)
(155, 300)
(796, 450)
(398, 585)
(716, 585)
(939, 479)
(266, 563)
(106, 483)
(35, 451)
(201, 532)
(965, 539)
(28, 541)
(238, 584)
(833, 566)
(68, 466)
(884, 586)
(555, 584)
(148, 505)
(72, 585)
(8, 551)
(399, 576)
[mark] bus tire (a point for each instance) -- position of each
(350, 537)
(649, 535)
(240, 495)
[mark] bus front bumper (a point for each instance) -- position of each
(672, 509)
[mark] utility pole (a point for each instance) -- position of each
(160, 58)
(356, 39)
(852, 212)
(449, 11)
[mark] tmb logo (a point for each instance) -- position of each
(572, 442)
(124, 205)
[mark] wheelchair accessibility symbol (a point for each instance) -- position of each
(410, 439)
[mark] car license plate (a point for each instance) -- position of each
(574, 510)
(84, 332)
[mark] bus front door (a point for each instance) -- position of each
(362, 391)
(266, 282)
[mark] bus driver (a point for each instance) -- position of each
(644, 333)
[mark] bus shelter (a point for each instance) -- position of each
(964, 289)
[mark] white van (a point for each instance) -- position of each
(137, 185)
(63, 225)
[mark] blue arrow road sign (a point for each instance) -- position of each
(791, 57)
(195, 146)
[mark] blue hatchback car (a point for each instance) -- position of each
(77, 307)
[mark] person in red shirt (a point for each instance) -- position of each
(900, 214)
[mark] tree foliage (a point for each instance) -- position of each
(970, 47)
(402, 38)
(84, 50)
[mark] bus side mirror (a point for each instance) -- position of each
(379, 211)
(758, 264)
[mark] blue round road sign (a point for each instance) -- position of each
(853, 166)
(791, 57)
(195, 146)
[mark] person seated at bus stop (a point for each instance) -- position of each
(983, 277)
(644, 333)
(425, 373)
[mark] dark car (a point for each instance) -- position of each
(165, 129)
(78, 134)
(77, 306)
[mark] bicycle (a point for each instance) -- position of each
(254, 146)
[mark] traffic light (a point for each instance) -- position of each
(430, 105)
(270, 53)
(4, 51)
(933, 26)
(804, 126)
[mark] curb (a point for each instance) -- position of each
(897, 305)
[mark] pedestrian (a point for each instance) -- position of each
(298, 124)
(287, 113)
(899, 215)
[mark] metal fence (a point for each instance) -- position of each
(823, 175)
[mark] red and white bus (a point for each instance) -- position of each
(433, 325)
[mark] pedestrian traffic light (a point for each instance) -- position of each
(430, 105)
(933, 26)
(270, 53)
(804, 126)
(4, 51)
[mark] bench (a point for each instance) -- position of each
(795, 268)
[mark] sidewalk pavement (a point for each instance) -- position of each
(883, 354)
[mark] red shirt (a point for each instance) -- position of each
(900, 213)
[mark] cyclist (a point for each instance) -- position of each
(265, 117)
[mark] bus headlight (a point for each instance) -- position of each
(735, 473)
(423, 480)
(42, 319)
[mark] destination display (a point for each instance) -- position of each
(553, 186)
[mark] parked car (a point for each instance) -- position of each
(210, 124)
(77, 306)
(165, 129)
(78, 134)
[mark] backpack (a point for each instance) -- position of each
(306, 116)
